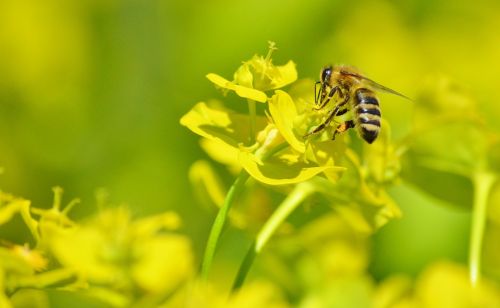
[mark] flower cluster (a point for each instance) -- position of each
(270, 147)
(280, 155)
(110, 257)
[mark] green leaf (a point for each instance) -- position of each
(445, 185)
(457, 147)
(241, 91)
(448, 145)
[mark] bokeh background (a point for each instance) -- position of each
(91, 93)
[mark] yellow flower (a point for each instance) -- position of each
(254, 294)
(282, 156)
(116, 254)
(256, 76)
(270, 160)
(279, 155)
(245, 92)
(446, 284)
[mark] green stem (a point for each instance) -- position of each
(253, 119)
(294, 199)
(219, 222)
(483, 183)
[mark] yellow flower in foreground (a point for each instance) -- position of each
(115, 254)
(447, 284)
(254, 294)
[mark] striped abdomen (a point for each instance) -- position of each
(367, 114)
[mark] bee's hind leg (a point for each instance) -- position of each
(343, 127)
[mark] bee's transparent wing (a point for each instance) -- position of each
(376, 85)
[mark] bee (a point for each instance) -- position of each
(357, 106)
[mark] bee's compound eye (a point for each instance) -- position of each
(326, 73)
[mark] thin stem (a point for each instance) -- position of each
(219, 222)
(253, 119)
(220, 219)
(244, 267)
(294, 199)
(483, 183)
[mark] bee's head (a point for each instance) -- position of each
(326, 74)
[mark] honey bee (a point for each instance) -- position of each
(358, 106)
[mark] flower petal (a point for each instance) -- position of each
(241, 91)
(206, 183)
(328, 153)
(217, 123)
(286, 169)
(222, 153)
(267, 76)
(250, 93)
(243, 76)
(211, 192)
(283, 111)
(286, 74)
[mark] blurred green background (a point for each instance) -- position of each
(91, 93)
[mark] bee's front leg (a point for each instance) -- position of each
(329, 97)
(330, 117)
(323, 125)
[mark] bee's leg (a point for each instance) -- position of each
(323, 125)
(329, 97)
(317, 94)
(343, 127)
(330, 117)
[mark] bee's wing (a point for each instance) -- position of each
(376, 85)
